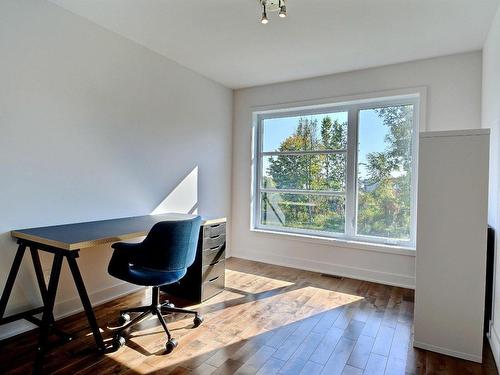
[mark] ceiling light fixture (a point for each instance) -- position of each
(282, 12)
(272, 6)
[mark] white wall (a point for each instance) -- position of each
(453, 102)
(491, 119)
(94, 126)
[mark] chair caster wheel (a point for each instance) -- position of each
(170, 345)
(198, 319)
(169, 305)
(124, 319)
(118, 342)
(67, 338)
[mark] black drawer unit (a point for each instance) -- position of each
(206, 277)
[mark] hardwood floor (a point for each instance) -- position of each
(269, 320)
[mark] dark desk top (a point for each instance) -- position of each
(80, 235)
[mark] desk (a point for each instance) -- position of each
(65, 241)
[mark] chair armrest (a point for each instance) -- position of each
(125, 246)
(124, 253)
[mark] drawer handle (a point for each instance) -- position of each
(213, 237)
(215, 226)
(215, 248)
(215, 278)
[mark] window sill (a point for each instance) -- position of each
(337, 242)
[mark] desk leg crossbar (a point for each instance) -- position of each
(48, 294)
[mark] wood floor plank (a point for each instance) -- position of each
(256, 361)
(203, 369)
(270, 320)
(354, 329)
(350, 370)
(401, 342)
(375, 365)
(373, 323)
(308, 346)
(300, 357)
(327, 346)
(311, 368)
(228, 368)
(327, 320)
(361, 352)
(395, 366)
(290, 345)
(383, 341)
(245, 352)
(223, 354)
(344, 318)
(339, 357)
(271, 367)
(282, 334)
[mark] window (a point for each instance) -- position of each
(344, 171)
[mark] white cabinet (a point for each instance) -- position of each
(451, 242)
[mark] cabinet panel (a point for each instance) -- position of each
(214, 230)
(213, 242)
(212, 256)
(213, 287)
(212, 271)
(451, 243)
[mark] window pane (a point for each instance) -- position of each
(305, 172)
(305, 133)
(303, 211)
(384, 172)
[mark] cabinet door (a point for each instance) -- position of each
(451, 243)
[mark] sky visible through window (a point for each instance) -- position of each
(370, 137)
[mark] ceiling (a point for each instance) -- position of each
(224, 40)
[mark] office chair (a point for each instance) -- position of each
(162, 258)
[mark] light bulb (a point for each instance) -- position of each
(282, 12)
(264, 19)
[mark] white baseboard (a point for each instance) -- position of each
(494, 341)
(452, 353)
(331, 269)
(72, 306)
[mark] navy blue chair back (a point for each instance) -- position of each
(170, 245)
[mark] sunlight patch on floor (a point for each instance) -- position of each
(270, 305)
(248, 282)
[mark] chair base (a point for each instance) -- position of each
(156, 309)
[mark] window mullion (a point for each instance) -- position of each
(351, 172)
(331, 193)
(258, 173)
(301, 153)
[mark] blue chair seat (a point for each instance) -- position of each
(146, 276)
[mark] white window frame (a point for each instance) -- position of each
(352, 108)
